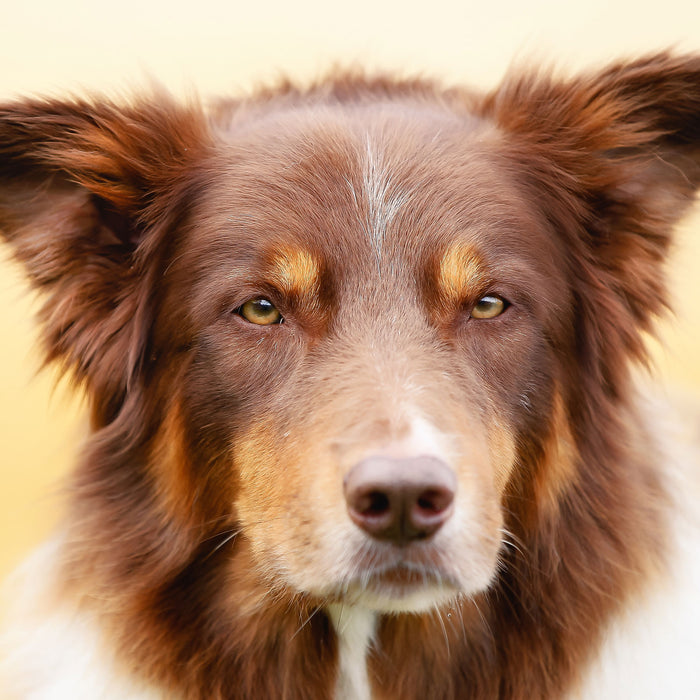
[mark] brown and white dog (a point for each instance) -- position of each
(359, 360)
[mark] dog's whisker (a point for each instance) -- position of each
(307, 620)
(232, 535)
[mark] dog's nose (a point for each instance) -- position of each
(400, 500)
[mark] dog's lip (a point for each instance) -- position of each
(419, 557)
(405, 566)
(399, 587)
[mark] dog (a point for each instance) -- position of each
(365, 414)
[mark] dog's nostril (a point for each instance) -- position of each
(434, 501)
(400, 500)
(375, 503)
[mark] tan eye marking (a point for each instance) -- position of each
(261, 312)
(460, 270)
(488, 306)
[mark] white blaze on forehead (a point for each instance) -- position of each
(383, 200)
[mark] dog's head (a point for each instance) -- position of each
(367, 331)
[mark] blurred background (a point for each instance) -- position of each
(228, 47)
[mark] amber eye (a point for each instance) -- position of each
(489, 306)
(261, 312)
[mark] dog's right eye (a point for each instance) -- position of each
(261, 312)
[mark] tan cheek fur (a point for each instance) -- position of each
(558, 472)
(503, 454)
(170, 468)
(277, 482)
(257, 464)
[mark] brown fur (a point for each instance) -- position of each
(218, 448)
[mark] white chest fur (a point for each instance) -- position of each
(355, 628)
(653, 650)
(50, 650)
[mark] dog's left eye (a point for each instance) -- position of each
(489, 306)
(261, 312)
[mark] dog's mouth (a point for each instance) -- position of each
(407, 576)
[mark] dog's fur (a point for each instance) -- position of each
(211, 550)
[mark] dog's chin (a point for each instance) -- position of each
(415, 600)
(400, 590)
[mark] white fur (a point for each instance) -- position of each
(52, 651)
(355, 627)
(424, 438)
(652, 652)
(382, 204)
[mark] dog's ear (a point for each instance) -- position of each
(614, 159)
(88, 193)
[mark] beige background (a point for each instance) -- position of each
(74, 45)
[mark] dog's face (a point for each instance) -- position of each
(360, 328)
(367, 301)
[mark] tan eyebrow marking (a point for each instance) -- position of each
(295, 271)
(460, 270)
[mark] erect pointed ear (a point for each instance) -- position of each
(613, 160)
(88, 193)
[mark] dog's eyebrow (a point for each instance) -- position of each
(295, 271)
(459, 270)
